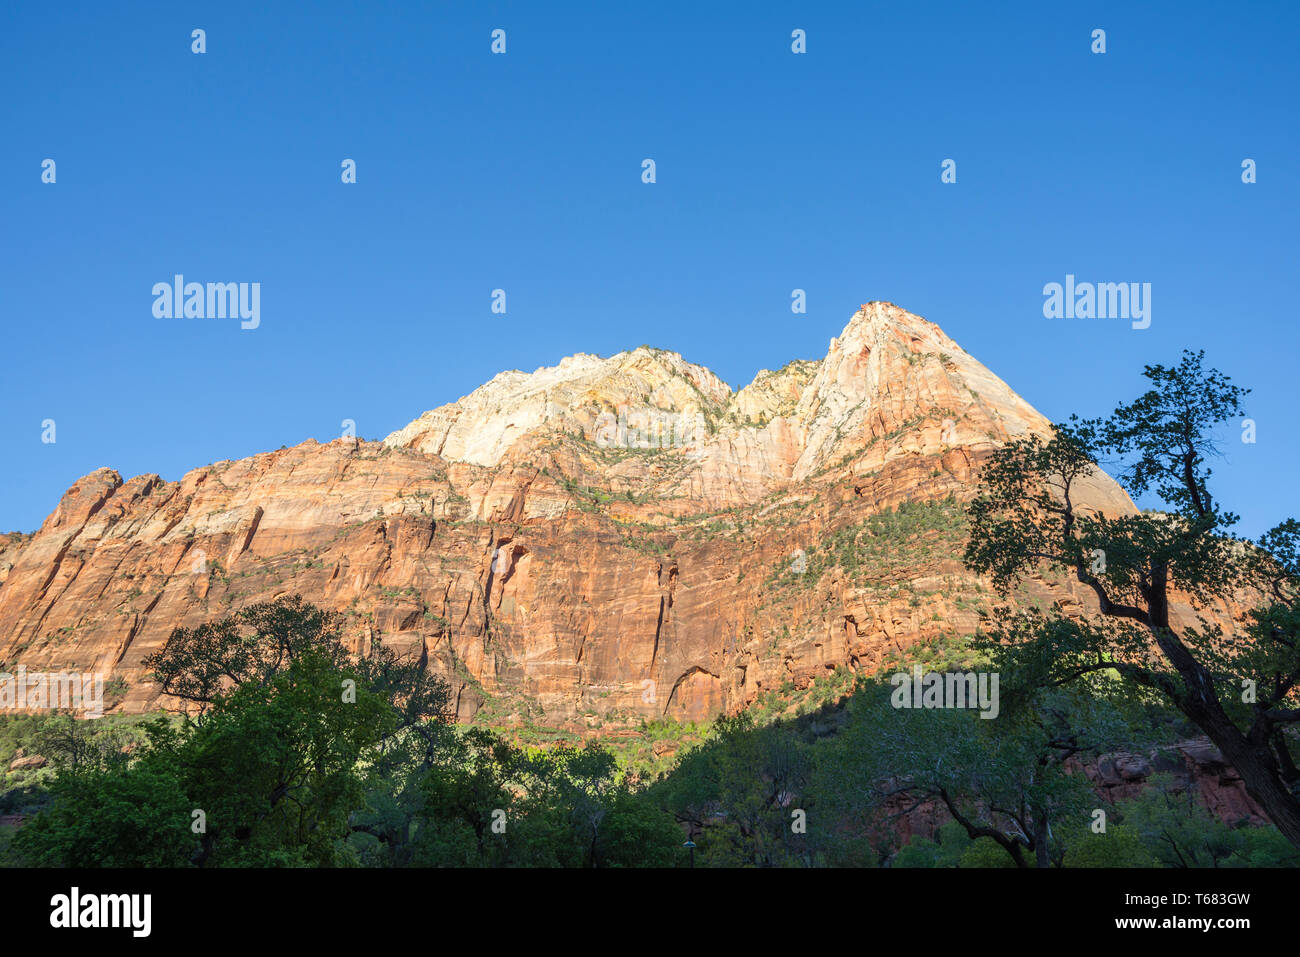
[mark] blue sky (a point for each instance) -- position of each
(523, 171)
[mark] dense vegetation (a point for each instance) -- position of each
(287, 774)
(297, 755)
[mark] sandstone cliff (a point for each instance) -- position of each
(590, 543)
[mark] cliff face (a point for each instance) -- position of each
(597, 541)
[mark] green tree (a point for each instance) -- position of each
(248, 672)
(470, 785)
(1240, 688)
(946, 849)
(291, 736)
(278, 768)
(74, 745)
(110, 817)
(1120, 845)
(1007, 780)
(1176, 829)
(739, 793)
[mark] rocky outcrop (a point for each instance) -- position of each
(1194, 763)
(602, 540)
(9, 546)
(26, 762)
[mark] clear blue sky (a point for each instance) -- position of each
(523, 171)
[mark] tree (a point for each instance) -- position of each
(74, 745)
(1008, 780)
(1118, 846)
(1240, 687)
(1176, 829)
(490, 803)
(278, 768)
(254, 645)
(308, 728)
(470, 786)
(739, 794)
(292, 738)
(238, 662)
(103, 814)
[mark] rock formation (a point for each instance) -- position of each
(592, 543)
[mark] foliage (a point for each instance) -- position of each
(1240, 687)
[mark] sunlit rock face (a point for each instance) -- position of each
(589, 544)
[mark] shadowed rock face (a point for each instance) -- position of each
(557, 565)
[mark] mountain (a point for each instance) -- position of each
(592, 543)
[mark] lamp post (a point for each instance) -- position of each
(691, 845)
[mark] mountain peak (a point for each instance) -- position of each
(888, 370)
(562, 536)
(569, 397)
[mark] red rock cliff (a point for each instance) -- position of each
(605, 539)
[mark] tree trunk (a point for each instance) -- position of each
(1257, 773)
(1041, 858)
